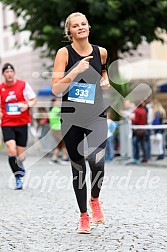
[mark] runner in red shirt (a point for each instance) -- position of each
(16, 98)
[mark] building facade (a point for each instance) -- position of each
(17, 50)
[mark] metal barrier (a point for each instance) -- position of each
(126, 133)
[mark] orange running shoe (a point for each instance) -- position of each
(97, 213)
(84, 225)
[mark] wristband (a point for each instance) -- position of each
(104, 67)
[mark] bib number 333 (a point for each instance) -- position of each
(82, 92)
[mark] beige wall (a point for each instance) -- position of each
(142, 52)
(27, 62)
(29, 67)
(159, 50)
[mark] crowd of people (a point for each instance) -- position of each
(145, 141)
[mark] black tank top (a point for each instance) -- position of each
(84, 113)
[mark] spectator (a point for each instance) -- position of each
(149, 110)
(42, 122)
(159, 114)
(128, 108)
(109, 144)
(139, 118)
(55, 126)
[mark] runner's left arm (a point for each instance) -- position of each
(29, 96)
(104, 80)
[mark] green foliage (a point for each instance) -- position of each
(116, 24)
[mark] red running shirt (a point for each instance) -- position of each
(10, 96)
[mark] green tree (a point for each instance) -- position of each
(118, 25)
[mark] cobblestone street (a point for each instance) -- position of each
(44, 216)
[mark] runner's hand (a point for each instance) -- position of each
(1, 114)
(83, 64)
(23, 106)
(105, 85)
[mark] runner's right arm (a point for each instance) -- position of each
(60, 82)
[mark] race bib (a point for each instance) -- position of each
(12, 109)
(82, 92)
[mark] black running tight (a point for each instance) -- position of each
(96, 134)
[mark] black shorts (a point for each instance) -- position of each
(17, 133)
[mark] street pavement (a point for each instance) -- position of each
(44, 215)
